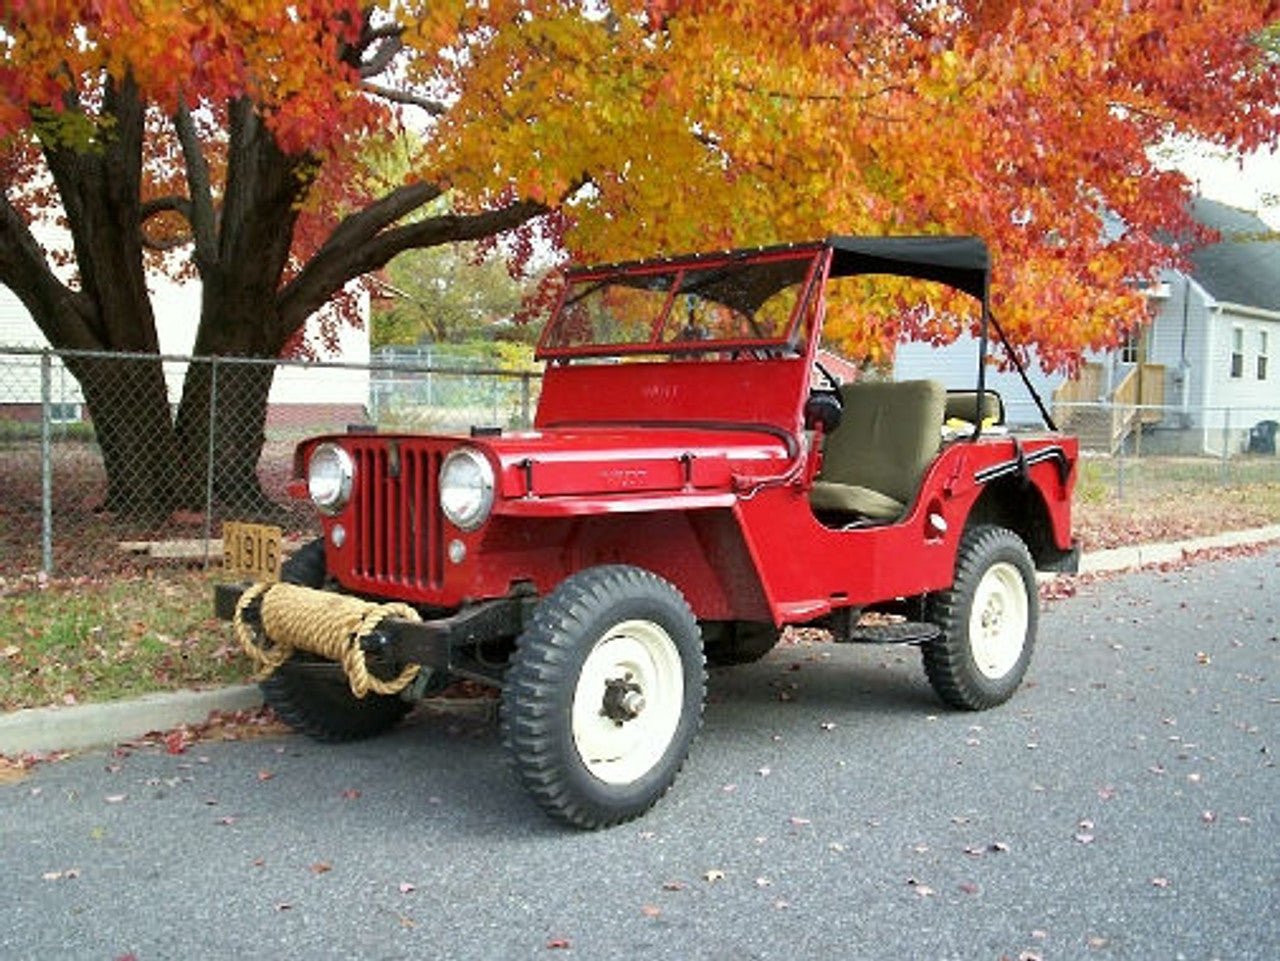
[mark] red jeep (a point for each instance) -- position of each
(693, 484)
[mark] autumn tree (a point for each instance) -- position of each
(450, 293)
(245, 137)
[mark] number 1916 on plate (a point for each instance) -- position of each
(251, 551)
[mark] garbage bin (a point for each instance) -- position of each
(1262, 437)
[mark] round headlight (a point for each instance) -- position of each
(329, 476)
(466, 488)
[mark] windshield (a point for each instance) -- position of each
(705, 305)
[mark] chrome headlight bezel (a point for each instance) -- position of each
(330, 475)
(467, 485)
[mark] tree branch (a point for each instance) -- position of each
(171, 204)
(433, 107)
(64, 316)
(386, 51)
(338, 264)
(200, 212)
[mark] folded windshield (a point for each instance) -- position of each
(703, 305)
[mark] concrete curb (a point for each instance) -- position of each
(44, 729)
(1139, 555)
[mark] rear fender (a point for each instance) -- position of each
(1021, 507)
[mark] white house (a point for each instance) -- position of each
(1201, 378)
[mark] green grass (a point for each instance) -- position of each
(105, 640)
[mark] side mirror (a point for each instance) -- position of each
(824, 409)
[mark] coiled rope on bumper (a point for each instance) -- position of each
(331, 625)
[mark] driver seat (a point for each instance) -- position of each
(872, 463)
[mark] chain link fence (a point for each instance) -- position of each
(111, 461)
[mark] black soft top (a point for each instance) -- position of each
(959, 262)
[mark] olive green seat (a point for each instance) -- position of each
(963, 404)
(872, 463)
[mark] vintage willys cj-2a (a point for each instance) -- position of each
(693, 483)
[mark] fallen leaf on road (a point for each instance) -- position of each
(559, 944)
(714, 875)
(673, 885)
(321, 867)
(651, 911)
(1160, 882)
(407, 888)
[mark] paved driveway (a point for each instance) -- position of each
(1123, 805)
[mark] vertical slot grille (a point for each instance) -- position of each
(398, 537)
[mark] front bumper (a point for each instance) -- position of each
(452, 645)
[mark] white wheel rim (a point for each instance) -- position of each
(636, 662)
(998, 621)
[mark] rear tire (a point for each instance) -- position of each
(604, 696)
(311, 694)
(988, 620)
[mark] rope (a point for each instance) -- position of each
(331, 625)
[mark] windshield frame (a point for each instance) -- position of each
(582, 280)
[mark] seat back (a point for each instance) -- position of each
(888, 434)
(963, 404)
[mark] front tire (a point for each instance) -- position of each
(988, 620)
(604, 696)
(312, 694)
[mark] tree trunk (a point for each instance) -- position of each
(129, 404)
(229, 398)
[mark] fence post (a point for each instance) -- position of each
(1119, 456)
(525, 390)
(46, 463)
(208, 474)
(1224, 479)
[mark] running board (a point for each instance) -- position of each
(898, 632)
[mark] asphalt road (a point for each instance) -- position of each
(1123, 805)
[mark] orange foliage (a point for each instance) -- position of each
(668, 125)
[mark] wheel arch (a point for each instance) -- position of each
(1019, 506)
(703, 553)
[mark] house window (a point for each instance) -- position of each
(1129, 348)
(1262, 355)
(1237, 352)
(64, 413)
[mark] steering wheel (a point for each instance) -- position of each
(824, 405)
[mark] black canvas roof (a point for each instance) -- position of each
(1244, 266)
(959, 262)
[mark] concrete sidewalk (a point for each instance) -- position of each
(44, 729)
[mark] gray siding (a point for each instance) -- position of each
(956, 366)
